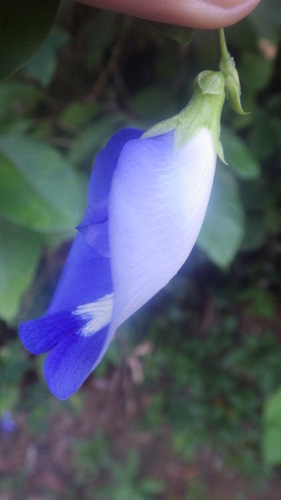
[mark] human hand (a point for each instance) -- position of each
(204, 14)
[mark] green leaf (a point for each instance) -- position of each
(79, 113)
(272, 429)
(17, 99)
(272, 220)
(19, 257)
(155, 103)
(38, 187)
(94, 138)
(239, 156)
(23, 28)
(179, 34)
(255, 233)
(255, 72)
(42, 66)
(223, 228)
(101, 31)
(151, 486)
(265, 134)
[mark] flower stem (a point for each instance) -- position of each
(223, 46)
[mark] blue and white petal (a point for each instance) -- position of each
(94, 226)
(105, 165)
(77, 319)
(157, 204)
(86, 278)
(75, 326)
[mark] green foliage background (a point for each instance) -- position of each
(95, 73)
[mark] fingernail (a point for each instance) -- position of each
(229, 3)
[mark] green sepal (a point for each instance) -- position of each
(203, 111)
(232, 83)
(210, 82)
(162, 127)
(233, 93)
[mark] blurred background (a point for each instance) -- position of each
(187, 402)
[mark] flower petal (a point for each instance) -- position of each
(105, 164)
(86, 278)
(40, 335)
(75, 328)
(94, 225)
(157, 204)
(71, 362)
(87, 267)
(81, 308)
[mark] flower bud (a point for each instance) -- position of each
(232, 83)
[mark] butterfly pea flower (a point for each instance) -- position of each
(148, 195)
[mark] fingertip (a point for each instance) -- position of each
(213, 14)
(203, 14)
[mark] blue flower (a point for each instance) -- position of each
(147, 202)
(7, 422)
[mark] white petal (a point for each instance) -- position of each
(157, 205)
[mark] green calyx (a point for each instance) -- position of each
(205, 107)
(203, 111)
(232, 82)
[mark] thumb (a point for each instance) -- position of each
(204, 14)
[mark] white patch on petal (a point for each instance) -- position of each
(95, 314)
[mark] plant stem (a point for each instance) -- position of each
(223, 46)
